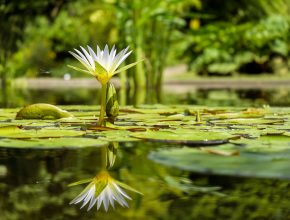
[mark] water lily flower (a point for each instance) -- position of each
(103, 189)
(103, 64)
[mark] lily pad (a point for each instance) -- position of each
(247, 164)
(52, 143)
(174, 124)
(113, 136)
(17, 132)
(248, 121)
(266, 143)
(185, 136)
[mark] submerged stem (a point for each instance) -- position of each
(103, 104)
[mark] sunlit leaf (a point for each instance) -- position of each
(184, 136)
(52, 143)
(42, 111)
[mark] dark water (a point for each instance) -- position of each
(237, 97)
(208, 97)
(33, 185)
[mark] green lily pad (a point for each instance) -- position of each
(170, 124)
(52, 143)
(17, 132)
(266, 143)
(248, 121)
(185, 136)
(113, 136)
(247, 164)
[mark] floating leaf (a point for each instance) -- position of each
(17, 132)
(9, 129)
(42, 111)
(185, 136)
(221, 152)
(247, 164)
(113, 136)
(264, 144)
(171, 124)
(248, 121)
(52, 143)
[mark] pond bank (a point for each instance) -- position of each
(176, 78)
(179, 86)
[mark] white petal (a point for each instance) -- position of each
(121, 200)
(112, 55)
(82, 56)
(78, 199)
(90, 195)
(105, 59)
(106, 199)
(100, 200)
(89, 57)
(121, 191)
(92, 53)
(116, 60)
(122, 59)
(84, 62)
(92, 203)
(99, 51)
(111, 197)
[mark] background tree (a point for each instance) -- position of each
(14, 15)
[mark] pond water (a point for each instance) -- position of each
(34, 186)
(239, 180)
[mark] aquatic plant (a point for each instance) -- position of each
(103, 65)
(103, 189)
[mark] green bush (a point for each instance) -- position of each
(225, 47)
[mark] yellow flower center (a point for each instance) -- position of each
(103, 176)
(103, 78)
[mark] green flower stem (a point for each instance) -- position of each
(103, 104)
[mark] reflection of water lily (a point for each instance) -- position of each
(103, 189)
(103, 64)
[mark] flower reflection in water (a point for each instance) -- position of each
(103, 189)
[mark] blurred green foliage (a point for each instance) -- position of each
(214, 37)
(152, 28)
(47, 38)
(250, 37)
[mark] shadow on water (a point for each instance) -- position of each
(34, 185)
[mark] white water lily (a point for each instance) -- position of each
(103, 189)
(103, 64)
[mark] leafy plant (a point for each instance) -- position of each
(224, 48)
(150, 28)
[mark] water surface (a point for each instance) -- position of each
(34, 186)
